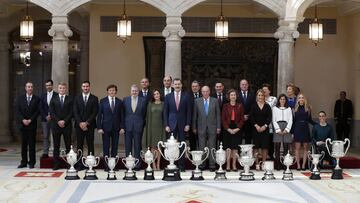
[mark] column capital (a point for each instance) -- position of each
(59, 29)
(287, 31)
(173, 30)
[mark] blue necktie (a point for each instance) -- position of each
(206, 105)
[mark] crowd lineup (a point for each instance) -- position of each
(205, 118)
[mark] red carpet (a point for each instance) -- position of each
(3, 150)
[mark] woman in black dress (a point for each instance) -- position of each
(260, 118)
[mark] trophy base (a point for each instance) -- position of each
(315, 176)
(268, 176)
(111, 176)
(247, 176)
(130, 175)
(71, 175)
(196, 175)
(90, 175)
(149, 175)
(337, 174)
(220, 175)
(171, 175)
(288, 176)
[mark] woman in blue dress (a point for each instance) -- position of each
(301, 131)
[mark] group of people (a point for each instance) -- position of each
(205, 119)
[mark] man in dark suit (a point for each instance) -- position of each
(145, 91)
(221, 98)
(206, 122)
(177, 114)
(247, 98)
(343, 113)
(85, 109)
(61, 111)
(45, 116)
(135, 112)
(27, 106)
(195, 93)
(167, 89)
(110, 122)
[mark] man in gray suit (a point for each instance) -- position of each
(207, 122)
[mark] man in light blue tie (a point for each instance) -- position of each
(206, 122)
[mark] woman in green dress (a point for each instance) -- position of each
(154, 130)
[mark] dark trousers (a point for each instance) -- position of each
(133, 138)
(110, 139)
(88, 136)
(66, 133)
(179, 134)
(342, 129)
(246, 132)
(193, 141)
(28, 137)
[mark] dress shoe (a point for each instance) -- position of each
(31, 166)
(56, 167)
(44, 156)
(22, 166)
(212, 169)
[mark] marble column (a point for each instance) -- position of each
(286, 33)
(173, 33)
(60, 32)
(4, 90)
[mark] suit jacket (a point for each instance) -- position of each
(108, 120)
(44, 106)
(162, 93)
(86, 113)
(250, 100)
(177, 118)
(148, 97)
(135, 121)
(224, 100)
(201, 121)
(25, 111)
(226, 115)
(58, 113)
(347, 109)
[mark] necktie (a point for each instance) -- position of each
(28, 101)
(112, 105)
(196, 95)
(206, 105)
(177, 100)
(244, 96)
(219, 98)
(145, 93)
(133, 104)
(85, 100)
(62, 101)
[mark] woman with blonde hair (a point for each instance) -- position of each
(301, 131)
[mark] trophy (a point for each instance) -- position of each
(130, 162)
(90, 161)
(148, 158)
(315, 159)
(268, 167)
(287, 160)
(246, 160)
(197, 160)
(172, 154)
(111, 163)
(220, 158)
(71, 159)
(337, 151)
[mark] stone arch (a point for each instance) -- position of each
(59, 8)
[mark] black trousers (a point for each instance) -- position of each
(28, 138)
(246, 132)
(342, 129)
(193, 140)
(66, 133)
(88, 135)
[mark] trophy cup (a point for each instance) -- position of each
(111, 163)
(246, 160)
(197, 160)
(90, 161)
(287, 160)
(71, 159)
(315, 159)
(130, 162)
(148, 158)
(268, 167)
(220, 158)
(337, 151)
(172, 154)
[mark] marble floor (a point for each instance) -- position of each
(44, 185)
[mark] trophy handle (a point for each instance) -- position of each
(82, 160)
(182, 143)
(142, 155)
(347, 140)
(159, 148)
(213, 151)
(62, 154)
(326, 143)
(187, 154)
(81, 153)
(137, 161)
(116, 159)
(123, 161)
(106, 159)
(206, 151)
(323, 155)
(282, 160)
(98, 161)
(309, 155)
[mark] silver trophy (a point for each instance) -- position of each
(268, 167)
(220, 158)
(130, 162)
(197, 159)
(171, 154)
(246, 160)
(337, 151)
(148, 158)
(315, 159)
(90, 161)
(111, 163)
(71, 159)
(288, 161)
